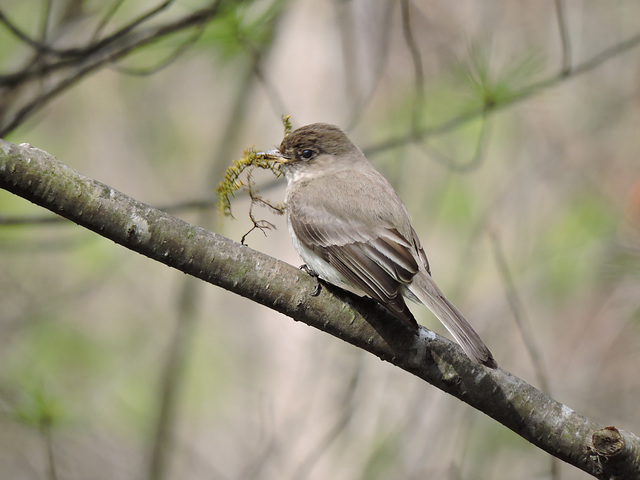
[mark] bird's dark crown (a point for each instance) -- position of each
(319, 138)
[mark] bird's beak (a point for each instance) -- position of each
(274, 155)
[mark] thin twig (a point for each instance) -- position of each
(564, 37)
(521, 95)
(256, 199)
(351, 64)
(172, 379)
(93, 62)
(381, 57)
(522, 322)
(19, 34)
(45, 431)
(474, 162)
(91, 47)
(348, 408)
(175, 55)
(518, 310)
(105, 20)
(197, 204)
(278, 105)
(416, 58)
(44, 26)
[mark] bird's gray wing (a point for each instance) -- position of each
(379, 260)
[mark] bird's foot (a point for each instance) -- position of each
(316, 290)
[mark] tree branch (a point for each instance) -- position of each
(35, 175)
(522, 94)
(82, 62)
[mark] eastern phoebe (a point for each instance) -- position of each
(352, 230)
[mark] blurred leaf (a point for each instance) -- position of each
(38, 408)
(382, 459)
(455, 202)
(242, 27)
(94, 258)
(570, 242)
(489, 84)
(50, 357)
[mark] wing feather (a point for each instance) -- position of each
(379, 266)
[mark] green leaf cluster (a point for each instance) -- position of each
(243, 26)
(491, 84)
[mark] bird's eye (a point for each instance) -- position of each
(306, 154)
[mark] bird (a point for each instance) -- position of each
(353, 231)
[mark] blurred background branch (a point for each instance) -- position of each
(71, 64)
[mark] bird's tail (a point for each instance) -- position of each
(426, 290)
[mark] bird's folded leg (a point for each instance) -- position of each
(316, 277)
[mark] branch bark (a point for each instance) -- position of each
(606, 453)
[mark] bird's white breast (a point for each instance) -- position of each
(324, 270)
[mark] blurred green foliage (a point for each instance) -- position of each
(382, 460)
(242, 27)
(49, 368)
(491, 83)
(574, 241)
(38, 408)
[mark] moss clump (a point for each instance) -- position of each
(232, 181)
(251, 159)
